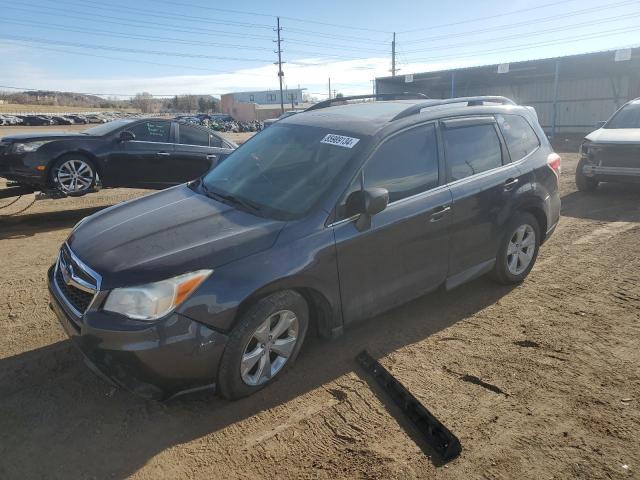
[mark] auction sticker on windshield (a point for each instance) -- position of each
(340, 140)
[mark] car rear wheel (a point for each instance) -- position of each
(584, 183)
(73, 175)
(263, 345)
(518, 249)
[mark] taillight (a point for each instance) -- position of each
(554, 160)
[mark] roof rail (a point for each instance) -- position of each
(471, 102)
(377, 96)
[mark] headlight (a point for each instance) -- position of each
(154, 300)
(29, 147)
(584, 147)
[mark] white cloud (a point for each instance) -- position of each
(347, 77)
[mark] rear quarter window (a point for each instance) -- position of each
(520, 138)
(471, 150)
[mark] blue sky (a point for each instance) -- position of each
(169, 47)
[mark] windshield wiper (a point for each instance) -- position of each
(229, 198)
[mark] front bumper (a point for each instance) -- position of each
(612, 173)
(155, 360)
(21, 167)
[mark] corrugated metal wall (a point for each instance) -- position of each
(591, 87)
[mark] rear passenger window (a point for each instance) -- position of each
(471, 150)
(193, 136)
(215, 141)
(520, 138)
(406, 164)
(152, 131)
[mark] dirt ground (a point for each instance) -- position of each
(562, 348)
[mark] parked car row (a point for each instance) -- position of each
(62, 119)
(222, 123)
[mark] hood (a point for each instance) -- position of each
(21, 137)
(166, 234)
(615, 135)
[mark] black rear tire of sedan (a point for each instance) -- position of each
(263, 345)
(518, 249)
(584, 183)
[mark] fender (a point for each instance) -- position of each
(234, 287)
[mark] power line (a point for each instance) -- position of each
(131, 50)
(536, 44)
(164, 15)
(519, 24)
(141, 24)
(188, 67)
(154, 38)
(488, 17)
(66, 28)
(520, 35)
(296, 19)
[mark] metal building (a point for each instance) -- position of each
(267, 97)
(570, 94)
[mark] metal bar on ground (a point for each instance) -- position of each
(439, 437)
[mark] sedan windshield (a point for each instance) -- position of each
(627, 117)
(284, 170)
(106, 128)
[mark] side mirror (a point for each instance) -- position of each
(126, 136)
(600, 124)
(367, 203)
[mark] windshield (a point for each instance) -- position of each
(106, 128)
(284, 170)
(627, 117)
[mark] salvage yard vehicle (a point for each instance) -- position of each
(326, 218)
(612, 153)
(149, 153)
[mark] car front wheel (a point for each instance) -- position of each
(584, 183)
(264, 343)
(73, 176)
(518, 249)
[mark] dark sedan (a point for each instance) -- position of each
(147, 153)
(612, 153)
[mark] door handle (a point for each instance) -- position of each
(164, 154)
(212, 157)
(439, 212)
(510, 183)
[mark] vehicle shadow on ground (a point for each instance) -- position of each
(82, 428)
(26, 225)
(611, 202)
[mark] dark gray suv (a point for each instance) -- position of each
(326, 218)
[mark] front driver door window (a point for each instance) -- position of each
(404, 253)
(146, 160)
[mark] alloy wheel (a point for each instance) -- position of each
(269, 348)
(74, 176)
(521, 249)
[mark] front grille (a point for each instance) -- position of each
(78, 299)
(77, 283)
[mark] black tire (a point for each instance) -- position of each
(230, 383)
(584, 183)
(501, 272)
(53, 182)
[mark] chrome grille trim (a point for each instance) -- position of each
(76, 274)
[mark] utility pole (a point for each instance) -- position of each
(329, 88)
(280, 72)
(393, 55)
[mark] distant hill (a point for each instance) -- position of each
(69, 99)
